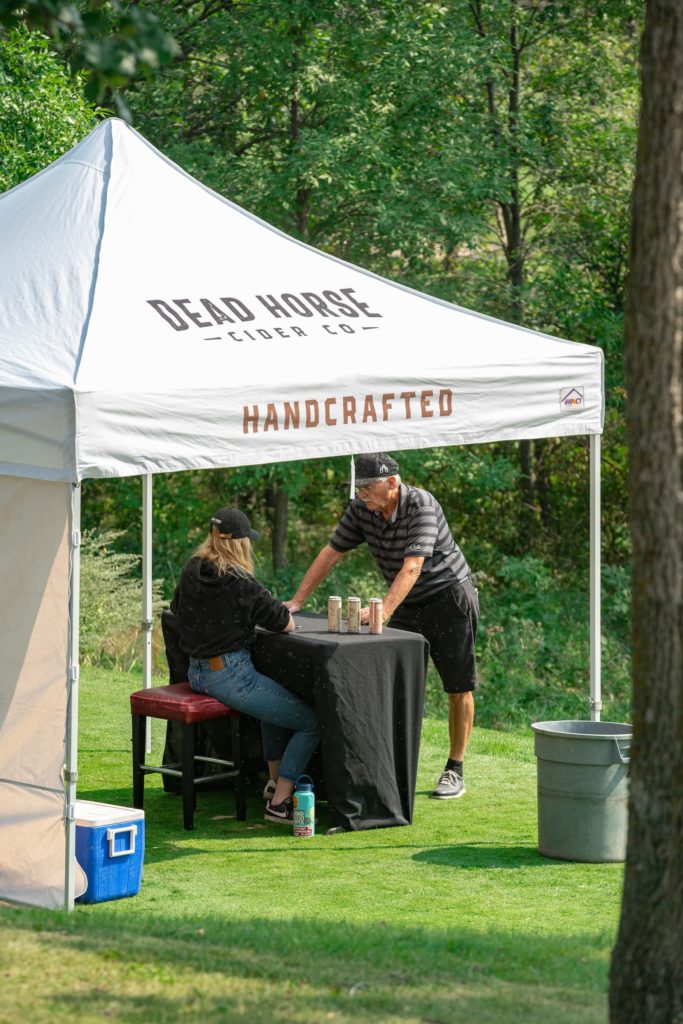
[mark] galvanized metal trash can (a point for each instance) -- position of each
(582, 770)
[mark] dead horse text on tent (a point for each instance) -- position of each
(331, 309)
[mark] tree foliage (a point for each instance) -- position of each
(42, 109)
(114, 42)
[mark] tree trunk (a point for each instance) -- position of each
(527, 483)
(303, 194)
(510, 221)
(280, 518)
(543, 449)
(279, 496)
(647, 963)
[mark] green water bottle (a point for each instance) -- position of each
(304, 807)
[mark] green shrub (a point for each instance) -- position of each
(534, 645)
(111, 602)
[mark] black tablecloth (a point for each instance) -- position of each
(368, 693)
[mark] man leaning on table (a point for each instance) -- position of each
(430, 589)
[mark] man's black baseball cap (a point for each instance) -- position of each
(234, 523)
(374, 466)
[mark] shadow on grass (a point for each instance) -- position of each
(143, 967)
(486, 855)
(214, 819)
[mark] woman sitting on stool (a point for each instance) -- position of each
(218, 604)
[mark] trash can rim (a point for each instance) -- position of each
(550, 728)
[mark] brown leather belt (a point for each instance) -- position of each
(216, 664)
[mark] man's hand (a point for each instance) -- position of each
(365, 616)
(293, 606)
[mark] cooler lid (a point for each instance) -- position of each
(91, 813)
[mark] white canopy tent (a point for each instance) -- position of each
(149, 325)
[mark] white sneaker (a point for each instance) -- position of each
(269, 789)
(449, 786)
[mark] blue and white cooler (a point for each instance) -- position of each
(110, 847)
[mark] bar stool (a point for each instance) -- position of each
(179, 703)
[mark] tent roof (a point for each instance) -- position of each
(151, 325)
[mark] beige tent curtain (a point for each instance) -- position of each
(34, 600)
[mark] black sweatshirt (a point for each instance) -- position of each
(217, 614)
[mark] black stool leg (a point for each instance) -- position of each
(139, 731)
(188, 774)
(240, 791)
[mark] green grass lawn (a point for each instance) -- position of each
(455, 919)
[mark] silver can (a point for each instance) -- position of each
(353, 615)
(334, 614)
(375, 615)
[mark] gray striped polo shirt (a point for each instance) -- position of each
(418, 528)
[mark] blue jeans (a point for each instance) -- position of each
(240, 686)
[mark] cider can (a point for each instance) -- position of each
(375, 615)
(353, 615)
(334, 614)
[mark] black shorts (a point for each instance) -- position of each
(449, 622)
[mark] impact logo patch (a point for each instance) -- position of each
(572, 399)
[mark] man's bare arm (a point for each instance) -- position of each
(404, 582)
(322, 564)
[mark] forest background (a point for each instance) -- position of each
(478, 150)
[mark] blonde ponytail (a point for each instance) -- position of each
(228, 554)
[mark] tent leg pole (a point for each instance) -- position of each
(71, 766)
(595, 627)
(147, 620)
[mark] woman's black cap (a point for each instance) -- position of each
(234, 523)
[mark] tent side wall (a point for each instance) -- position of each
(34, 598)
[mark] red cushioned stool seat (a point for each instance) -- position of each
(179, 703)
